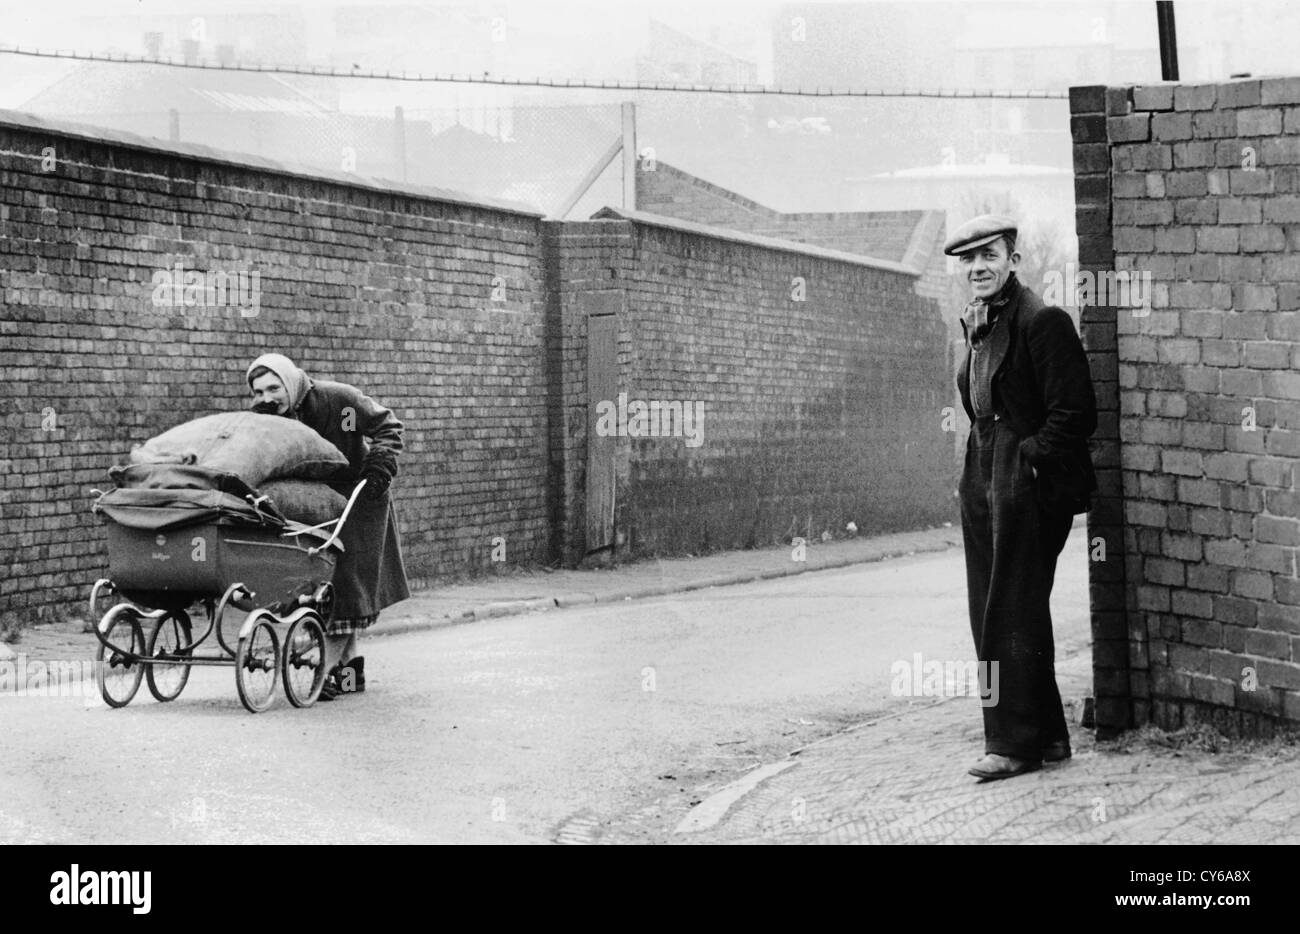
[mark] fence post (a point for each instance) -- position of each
(629, 156)
(399, 140)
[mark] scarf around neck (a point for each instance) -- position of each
(980, 314)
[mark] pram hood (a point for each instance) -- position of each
(157, 497)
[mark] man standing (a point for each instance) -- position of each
(1025, 385)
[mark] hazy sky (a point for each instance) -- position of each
(1261, 33)
(932, 45)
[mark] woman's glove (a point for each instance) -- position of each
(377, 470)
(376, 487)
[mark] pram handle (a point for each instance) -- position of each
(342, 519)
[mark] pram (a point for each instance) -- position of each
(180, 536)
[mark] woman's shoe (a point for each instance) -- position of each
(331, 688)
(993, 767)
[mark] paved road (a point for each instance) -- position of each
(570, 725)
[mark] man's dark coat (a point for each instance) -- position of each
(1043, 387)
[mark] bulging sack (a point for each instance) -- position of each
(305, 501)
(254, 447)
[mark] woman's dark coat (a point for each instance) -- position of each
(371, 574)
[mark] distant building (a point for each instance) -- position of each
(913, 238)
(671, 55)
(1055, 47)
(1043, 192)
(1042, 196)
(242, 112)
(957, 46)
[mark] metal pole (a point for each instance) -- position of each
(1168, 40)
(629, 156)
(589, 179)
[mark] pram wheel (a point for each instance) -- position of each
(257, 663)
(171, 636)
(303, 662)
(118, 672)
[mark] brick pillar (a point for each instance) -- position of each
(1119, 660)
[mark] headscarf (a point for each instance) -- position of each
(296, 383)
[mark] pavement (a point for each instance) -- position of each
(899, 778)
(902, 779)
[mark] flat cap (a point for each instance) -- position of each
(978, 231)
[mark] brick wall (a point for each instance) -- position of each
(1197, 615)
(467, 318)
(817, 412)
(392, 291)
(583, 257)
(913, 238)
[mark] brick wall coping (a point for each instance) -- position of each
(11, 119)
(922, 244)
(1015, 170)
(736, 236)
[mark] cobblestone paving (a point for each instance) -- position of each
(903, 780)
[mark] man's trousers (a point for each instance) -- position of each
(1011, 551)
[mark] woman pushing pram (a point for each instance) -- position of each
(370, 574)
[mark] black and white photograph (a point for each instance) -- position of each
(651, 423)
